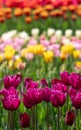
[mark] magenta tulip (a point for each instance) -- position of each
(46, 94)
(57, 98)
(10, 99)
(32, 97)
(65, 77)
(29, 83)
(75, 80)
(12, 81)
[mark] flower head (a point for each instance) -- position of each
(57, 98)
(46, 94)
(12, 81)
(32, 97)
(11, 100)
(75, 80)
(24, 120)
(65, 77)
(43, 82)
(29, 83)
(69, 118)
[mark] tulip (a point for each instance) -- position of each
(46, 94)
(76, 100)
(32, 97)
(65, 77)
(57, 98)
(43, 82)
(69, 118)
(75, 80)
(12, 81)
(11, 100)
(24, 120)
(29, 83)
(55, 81)
(60, 87)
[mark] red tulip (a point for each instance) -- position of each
(69, 119)
(24, 120)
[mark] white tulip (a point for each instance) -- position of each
(24, 35)
(78, 34)
(35, 32)
(9, 35)
(68, 33)
(50, 32)
(58, 33)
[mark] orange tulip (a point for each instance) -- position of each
(2, 19)
(18, 12)
(44, 14)
(79, 12)
(38, 10)
(28, 19)
(27, 10)
(36, 17)
(72, 8)
(7, 10)
(2, 13)
(48, 7)
(8, 16)
(64, 8)
(74, 17)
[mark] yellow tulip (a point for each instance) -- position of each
(39, 49)
(76, 54)
(78, 64)
(48, 56)
(67, 49)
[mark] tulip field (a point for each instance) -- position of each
(40, 65)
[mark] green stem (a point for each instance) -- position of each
(10, 120)
(36, 117)
(47, 118)
(58, 121)
(67, 102)
(33, 118)
(75, 119)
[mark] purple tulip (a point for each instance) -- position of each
(32, 97)
(12, 81)
(75, 80)
(46, 94)
(10, 99)
(65, 77)
(57, 98)
(24, 120)
(29, 83)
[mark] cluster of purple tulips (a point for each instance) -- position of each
(35, 92)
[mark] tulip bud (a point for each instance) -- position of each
(69, 119)
(24, 120)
